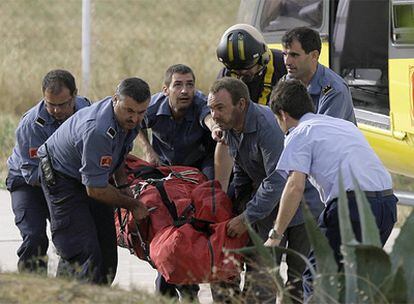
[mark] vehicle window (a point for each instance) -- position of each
(280, 15)
(403, 22)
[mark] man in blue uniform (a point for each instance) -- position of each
(29, 205)
(312, 151)
(255, 143)
(76, 163)
(180, 122)
(329, 91)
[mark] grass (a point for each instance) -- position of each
(129, 37)
(27, 289)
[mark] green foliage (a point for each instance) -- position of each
(369, 274)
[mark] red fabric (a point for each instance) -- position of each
(183, 255)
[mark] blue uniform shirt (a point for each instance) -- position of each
(90, 145)
(321, 146)
(256, 151)
(330, 94)
(185, 142)
(34, 129)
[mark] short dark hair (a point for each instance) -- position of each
(292, 97)
(308, 38)
(179, 69)
(135, 88)
(237, 88)
(55, 80)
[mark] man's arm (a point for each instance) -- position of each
(111, 196)
(150, 155)
(223, 164)
(289, 204)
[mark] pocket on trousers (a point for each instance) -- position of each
(60, 200)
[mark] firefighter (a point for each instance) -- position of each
(76, 164)
(29, 205)
(180, 123)
(255, 142)
(246, 56)
(312, 151)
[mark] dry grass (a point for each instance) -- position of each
(27, 289)
(129, 38)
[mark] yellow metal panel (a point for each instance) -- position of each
(401, 94)
(397, 155)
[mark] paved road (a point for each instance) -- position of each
(132, 273)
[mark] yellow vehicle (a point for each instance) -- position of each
(370, 43)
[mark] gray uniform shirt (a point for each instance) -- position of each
(256, 151)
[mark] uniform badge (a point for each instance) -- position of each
(106, 161)
(33, 152)
(326, 89)
(40, 121)
(111, 132)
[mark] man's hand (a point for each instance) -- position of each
(152, 157)
(236, 226)
(271, 243)
(217, 134)
(140, 211)
(127, 191)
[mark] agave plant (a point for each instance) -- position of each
(369, 275)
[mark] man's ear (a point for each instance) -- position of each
(165, 90)
(75, 92)
(283, 115)
(242, 104)
(315, 55)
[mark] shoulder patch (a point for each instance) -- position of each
(106, 161)
(33, 152)
(40, 121)
(326, 89)
(111, 132)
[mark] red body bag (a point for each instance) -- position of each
(185, 235)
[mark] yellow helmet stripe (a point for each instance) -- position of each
(240, 46)
(230, 51)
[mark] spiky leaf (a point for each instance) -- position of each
(369, 229)
(348, 238)
(395, 286)
(325, 284)
(402, 254)
(373, 266)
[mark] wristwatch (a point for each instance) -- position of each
(274, 235)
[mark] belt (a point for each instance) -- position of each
(372, 194)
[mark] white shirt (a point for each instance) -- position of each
(322, 146)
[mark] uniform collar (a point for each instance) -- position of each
(164, 109)
(314, 87)
(250, 120)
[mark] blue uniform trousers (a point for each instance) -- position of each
(30, 215)
(384, 209)
(83, 232)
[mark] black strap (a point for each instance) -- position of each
(170, 206)
(145, 172)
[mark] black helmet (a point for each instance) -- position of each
(241, 47)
